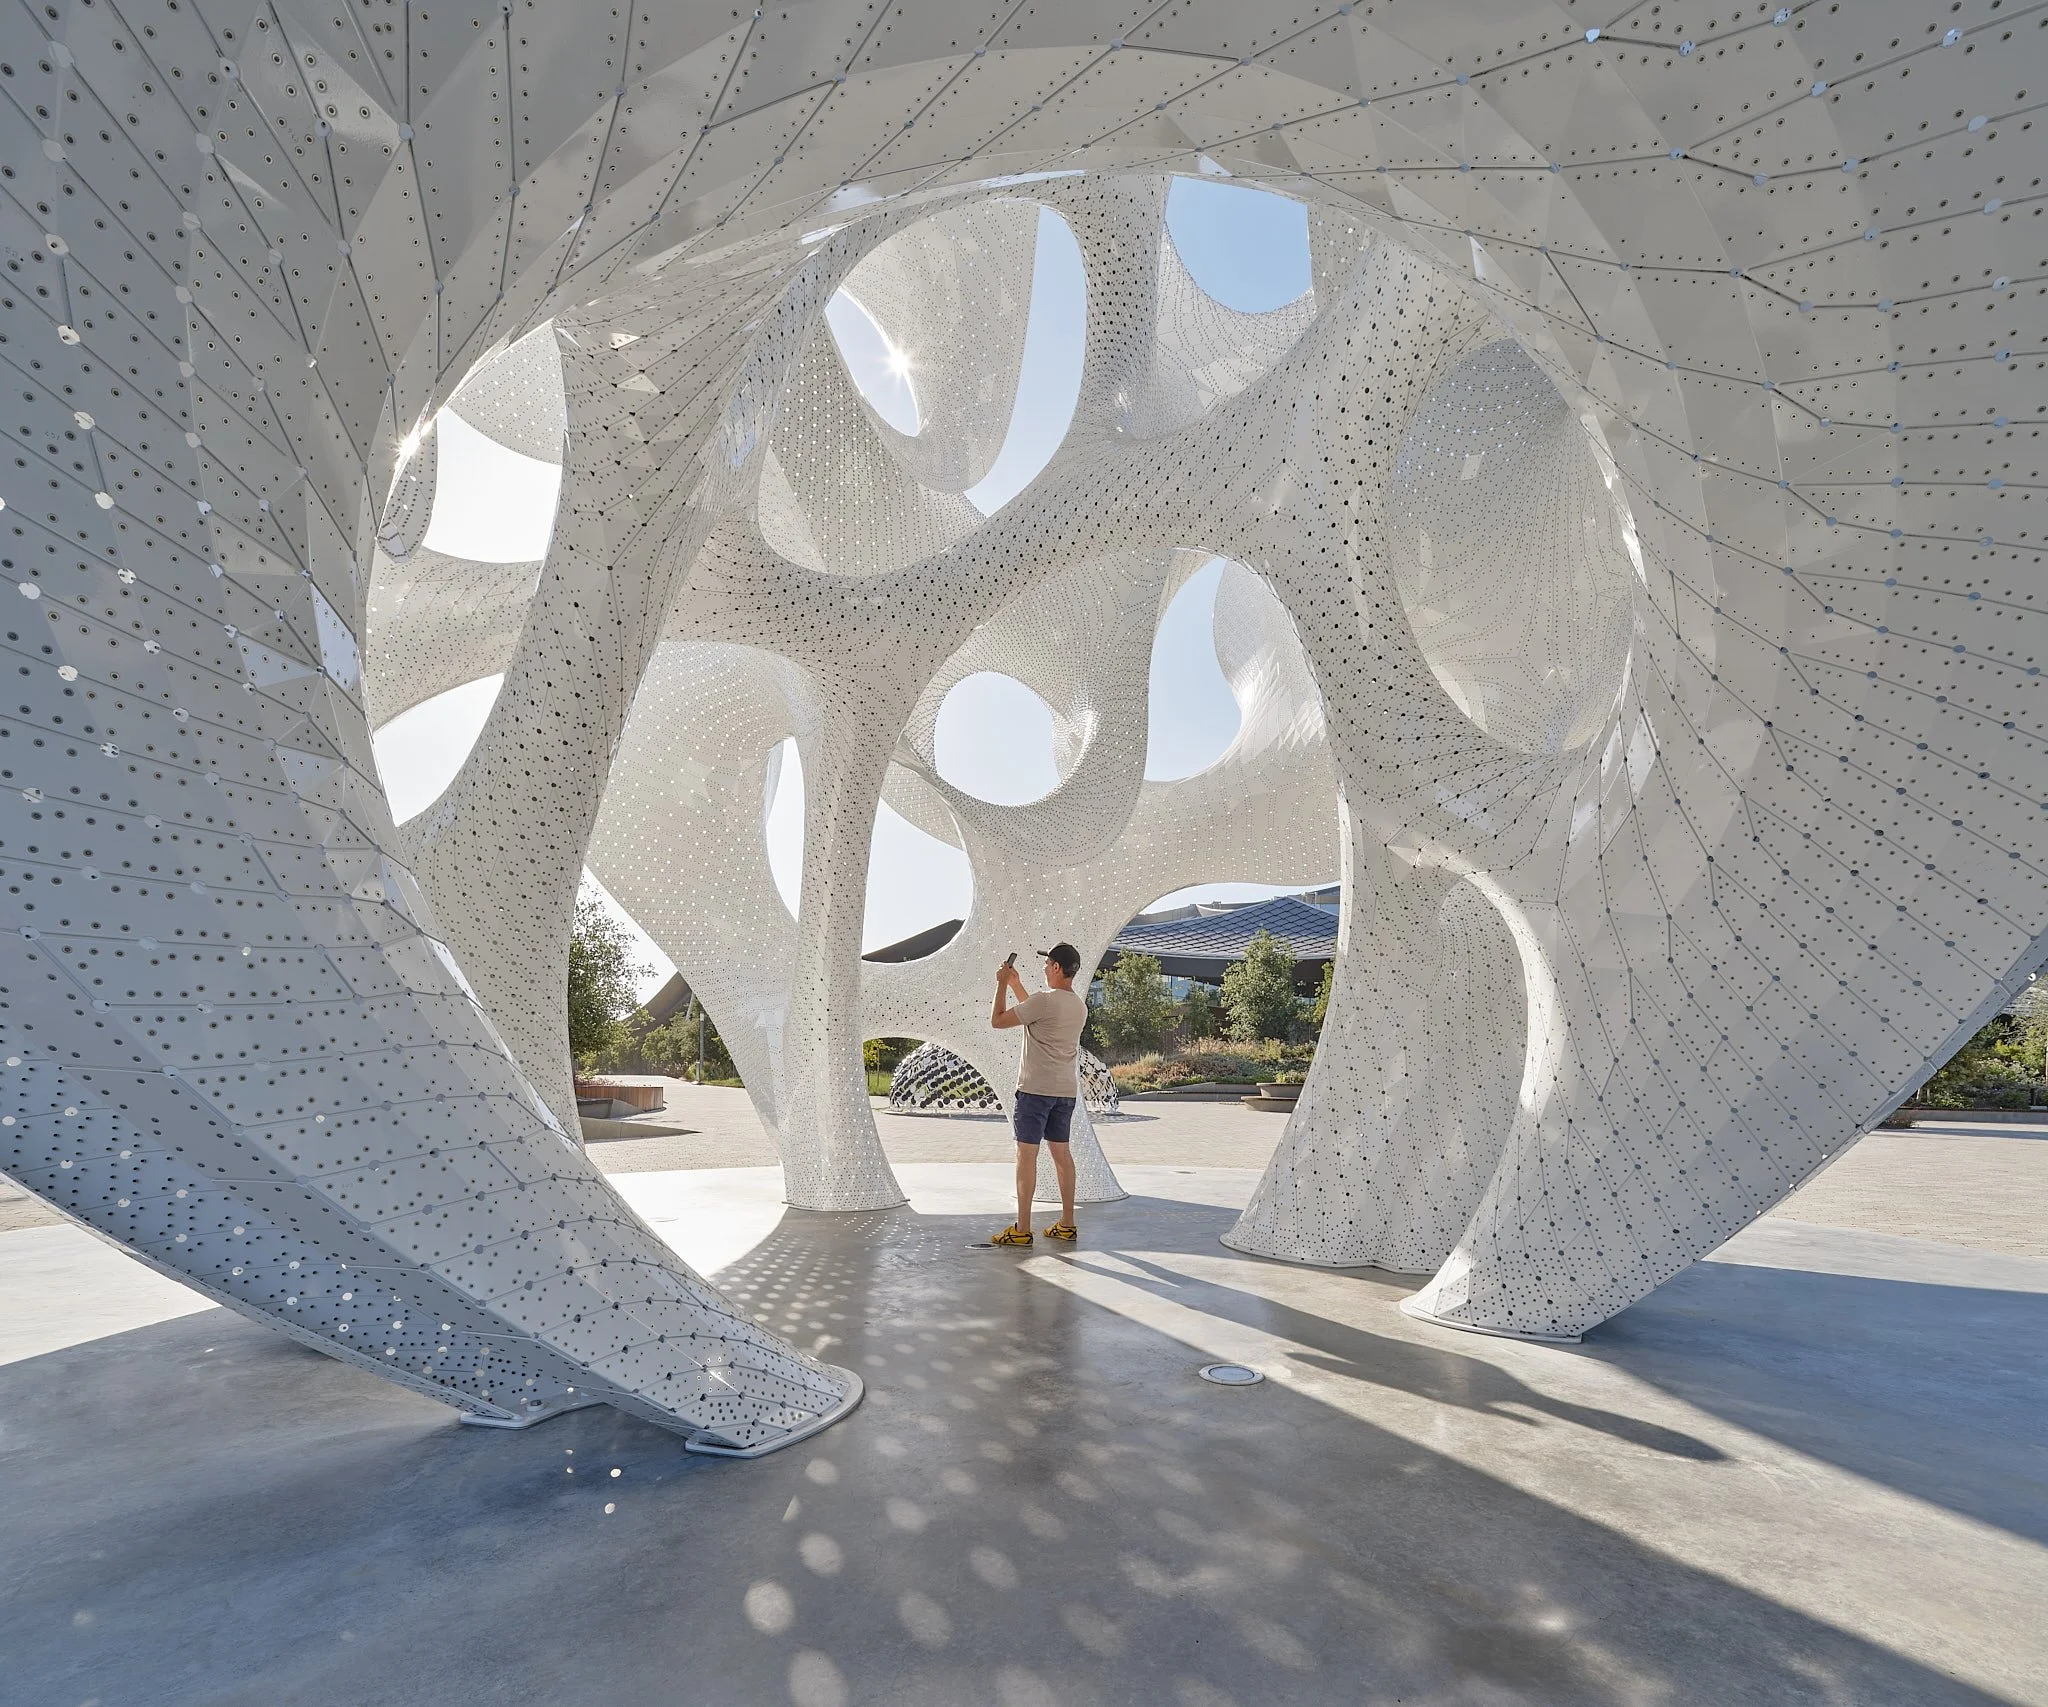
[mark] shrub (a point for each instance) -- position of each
(1152, 1073)
(1218, 1063)
(1321, 1011)
(1198, 1014)
(1135, 1013)
(2000, 1067)
(670, 1050)
(600, 981)
(1258, 992)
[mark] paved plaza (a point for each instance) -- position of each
(1805, 1470)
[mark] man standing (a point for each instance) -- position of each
(1052, 1022)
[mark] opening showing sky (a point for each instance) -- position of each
(1191, 714)
(1049, 381)
(490, 503)
(994, 741)
(420, 752)
(881, 370)
(1247, 248)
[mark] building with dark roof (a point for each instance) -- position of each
(1203, 944)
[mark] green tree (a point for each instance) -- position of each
(1135, 1013)
(881, 1054)
(1321, 1011)
(718, 1062)
(638, 1045)
(1999, 1067)
(600, 981)
(1258, 992)
(1198, 1013)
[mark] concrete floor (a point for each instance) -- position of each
(1809, 1470)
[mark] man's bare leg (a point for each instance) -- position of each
(1063, 1171)
(1027, 1181)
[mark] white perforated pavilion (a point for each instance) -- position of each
(1632, 590)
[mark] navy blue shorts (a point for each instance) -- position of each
(1050, 1118)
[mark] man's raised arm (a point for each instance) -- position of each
(1001, 1015)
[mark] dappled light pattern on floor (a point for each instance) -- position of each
(1754, 1486)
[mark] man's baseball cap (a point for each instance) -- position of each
(1064, 955)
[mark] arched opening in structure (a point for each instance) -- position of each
(1246, 247)
(994, 740)
(420, 752)
(448, 598)
(1049, 379)
(1192, 716)
(782, 822)
(492, 504)
(920, 888)
(877, 364)
(916, 880)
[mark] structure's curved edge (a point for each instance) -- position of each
(711, 1446)
(1409, 1307)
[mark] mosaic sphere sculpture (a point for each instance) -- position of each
(1698, 756)
(931, 1079)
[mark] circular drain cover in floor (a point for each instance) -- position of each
(1230, 1375)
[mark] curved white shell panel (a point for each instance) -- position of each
(1753, 890)
(1512, 555)
(953, 295)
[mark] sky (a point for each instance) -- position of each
(1247, 248)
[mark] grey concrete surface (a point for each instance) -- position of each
(724, 1133)
(1808, 1470)
(1980, 1183)
(61, 1286)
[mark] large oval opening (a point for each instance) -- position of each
(994, 740)
(491, 503)
(420, 752)
(878, 366)
(1192, 716)
(920, 890)
(1049, 379)
(782, 822)
(1247, 248)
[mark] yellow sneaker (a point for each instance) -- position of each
(1012, 1235)
(1063, 1230)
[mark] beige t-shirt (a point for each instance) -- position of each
(1052, 1032)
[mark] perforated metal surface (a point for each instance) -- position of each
(932, 1079)
(1776, 265)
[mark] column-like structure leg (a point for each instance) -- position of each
(1383, 1158)
(831, 1153)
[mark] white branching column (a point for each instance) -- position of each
(831, 1153)
(1406, 1107)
